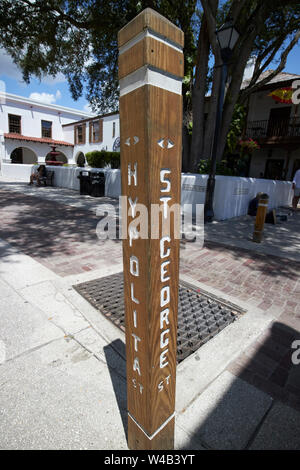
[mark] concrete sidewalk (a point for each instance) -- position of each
(62, 371)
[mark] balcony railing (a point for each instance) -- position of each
(283, 128)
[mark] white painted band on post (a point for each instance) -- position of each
(148, 76)
(148, 34)
(150, 437)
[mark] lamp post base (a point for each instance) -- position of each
(208, 216)
(208, 208)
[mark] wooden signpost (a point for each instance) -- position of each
(150, 72)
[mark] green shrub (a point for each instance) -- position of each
(101, 158)
(222, 168)
(114, 158)
(96, 158)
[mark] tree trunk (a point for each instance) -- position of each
(185, 149)
(198, 101)
(239, 63)
(229, 104)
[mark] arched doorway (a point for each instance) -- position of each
(23, 155)
(59, 158)
(80, 159)
(116, 145)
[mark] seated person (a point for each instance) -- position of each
(252, 209)
(37, 175)
(253, 204)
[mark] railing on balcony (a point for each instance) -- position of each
(283, 128)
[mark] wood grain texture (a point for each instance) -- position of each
(163, 441)
(150, 132)
(149, 51)
(152, 20)
(157, 115)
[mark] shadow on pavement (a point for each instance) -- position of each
(281, 239)
(114, 355)
(42, 228)
(264, 263)
(255, 403)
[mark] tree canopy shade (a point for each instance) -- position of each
(79, 39)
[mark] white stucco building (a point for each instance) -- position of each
(29, 129)
(273, 121)
(96, 133)
(275, 125)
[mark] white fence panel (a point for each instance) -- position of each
(231, 198)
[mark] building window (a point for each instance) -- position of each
(47, 129)
(79, 132)
(14, 124)
(114, 130)
(96, 131)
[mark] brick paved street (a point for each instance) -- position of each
(267, 364)
(60, 237)
(63, 238)
(269, 283)
(264, 281)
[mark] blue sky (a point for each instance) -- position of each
(293, 61)
(56, 90)
(50, 90)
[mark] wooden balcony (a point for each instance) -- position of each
(268, 132)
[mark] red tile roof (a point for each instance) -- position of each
(43, 140)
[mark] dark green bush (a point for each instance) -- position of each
(96, 159)
(114, 159)
(222, 168)
(101, 158)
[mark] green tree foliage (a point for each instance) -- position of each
(204, 168)
(78, 38)
(267, 29)
(236, 128)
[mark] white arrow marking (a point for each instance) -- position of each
(169, 143)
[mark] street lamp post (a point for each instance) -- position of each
(227, 37)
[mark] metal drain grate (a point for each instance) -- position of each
(200, 315)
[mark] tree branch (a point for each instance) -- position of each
(210, 8)
(283, 58)
(236, 8)
(62, 15)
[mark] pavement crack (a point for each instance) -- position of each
(258, 427)
(29, 351)
(98, 357)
